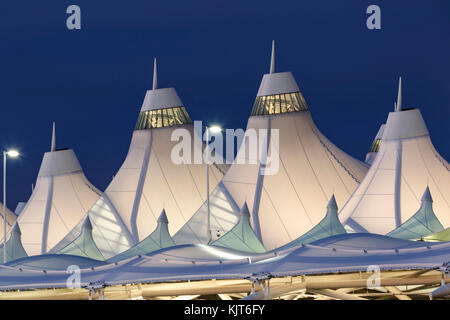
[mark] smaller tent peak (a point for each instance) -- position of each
(244, 210)
(398, 107)
(155, 75)
(427, 195)
(53, 146)
(163, 217)
(332, 203)
(87, 224)
(16, 229)
(272, 58)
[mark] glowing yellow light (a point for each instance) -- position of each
(13, 153)
(215, 129)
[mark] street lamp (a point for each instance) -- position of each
(213, 129)
(12, 154)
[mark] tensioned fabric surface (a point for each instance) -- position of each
(327, 227)
(14, 248)
(10, 219)
(158, 239)
(310, 169)
(405, 165)
(341, 253)
(153, 177)
(241, 237)
(61, 197)
(82, 245)
(148, 182)
(421, 224)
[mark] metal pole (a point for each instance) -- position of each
(4, 207)
(208, 224)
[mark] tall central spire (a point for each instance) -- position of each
(155, 76)
(53, 147)
(272, 59)
(399, 96)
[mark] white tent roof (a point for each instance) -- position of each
(149, 181)
(405, 164)
(311, 168)
(60, 199)
(10, 219)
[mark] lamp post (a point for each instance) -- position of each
(214, 129)
(12, 154)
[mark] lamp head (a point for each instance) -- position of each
(215, 129)
(13, 153)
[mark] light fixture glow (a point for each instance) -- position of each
(13, 153)
(215, 129)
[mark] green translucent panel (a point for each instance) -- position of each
(160, 118)
(83, 245)
(158, 239)
(443, 235)
(241, 238)
(14, 248)
(327, 227)
(279, 103)
(423, 223)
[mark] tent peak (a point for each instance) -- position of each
(244, 210)
(332, 203)
(16, 229)
(87, 223)
(427, 195)
(398, 107)
(163, 217)
(155, 75)
(272, 58)
(53, 146)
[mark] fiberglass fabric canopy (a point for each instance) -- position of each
(341, 253)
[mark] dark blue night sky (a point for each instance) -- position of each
(92, 82)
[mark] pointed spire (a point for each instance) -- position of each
(16, 229)
(244, 210)
(427, 195)
(399, 96)
(395, 106)
(163, 217)
(53, 138)
(87, 223)
(332, 203)
(155, 75)
(272, 58)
